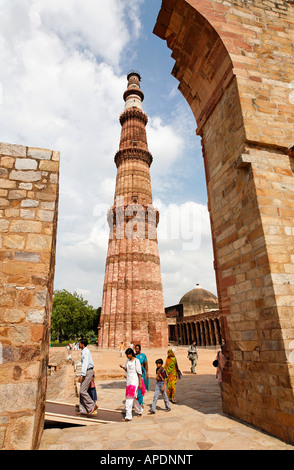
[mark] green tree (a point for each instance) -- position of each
(72, 316)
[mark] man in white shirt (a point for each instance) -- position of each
(193, 356)
(87, 405)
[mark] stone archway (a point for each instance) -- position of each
(233, 62)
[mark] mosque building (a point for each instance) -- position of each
(196, 316)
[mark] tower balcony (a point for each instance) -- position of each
(133, 154)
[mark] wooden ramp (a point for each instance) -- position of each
(66, 413)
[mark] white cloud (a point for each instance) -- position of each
(184, 238)
(165, 143)
(96, 25)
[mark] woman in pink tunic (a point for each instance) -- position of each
(134, 382)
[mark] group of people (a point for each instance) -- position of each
(73, 346)
(137, 379)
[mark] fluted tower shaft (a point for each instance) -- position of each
(132, 305)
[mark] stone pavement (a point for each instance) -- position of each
(196, 422)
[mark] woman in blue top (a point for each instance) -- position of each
(145, 376)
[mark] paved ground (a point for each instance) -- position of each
(196, 422)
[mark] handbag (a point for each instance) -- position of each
(92, 383)
(92, 389)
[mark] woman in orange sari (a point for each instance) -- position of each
(171, 367)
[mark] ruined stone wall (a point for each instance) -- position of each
(234, 62)
(28, 209)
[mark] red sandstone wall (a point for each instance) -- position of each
(234, 62)
(254, 40)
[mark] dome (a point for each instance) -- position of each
(198, 301)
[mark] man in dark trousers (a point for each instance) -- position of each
(87, 405)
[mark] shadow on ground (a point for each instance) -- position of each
(199, 392)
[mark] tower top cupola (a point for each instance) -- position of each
(133, 96)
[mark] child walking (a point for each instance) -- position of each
(160, 387)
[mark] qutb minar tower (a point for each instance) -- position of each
(132, 305)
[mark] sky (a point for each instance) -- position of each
(63, 68)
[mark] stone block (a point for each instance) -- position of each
(56, 156)
(41, 298)
(50, 206)
(3, 202)
(27, 257)
(14, 241)
(39, 154)
(39, 242)
(4, 224)
(29, 203)
(18, 397)
(14, 213)
(46, 165)
(7, 184)
(26, 164)
(13, 150)
(25, 226)
(39, 280)
(3, 172)
(25, 176)
(36, 316)
(36, 333)
(8, 296)
(45, 216)
(14, 316)
(27, 186)
(27, 213)
(29, 353)
(17, 194)
(7, 162)
(2, 436)
(46, 195)
(19, 334)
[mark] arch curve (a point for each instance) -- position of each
(203, 65)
